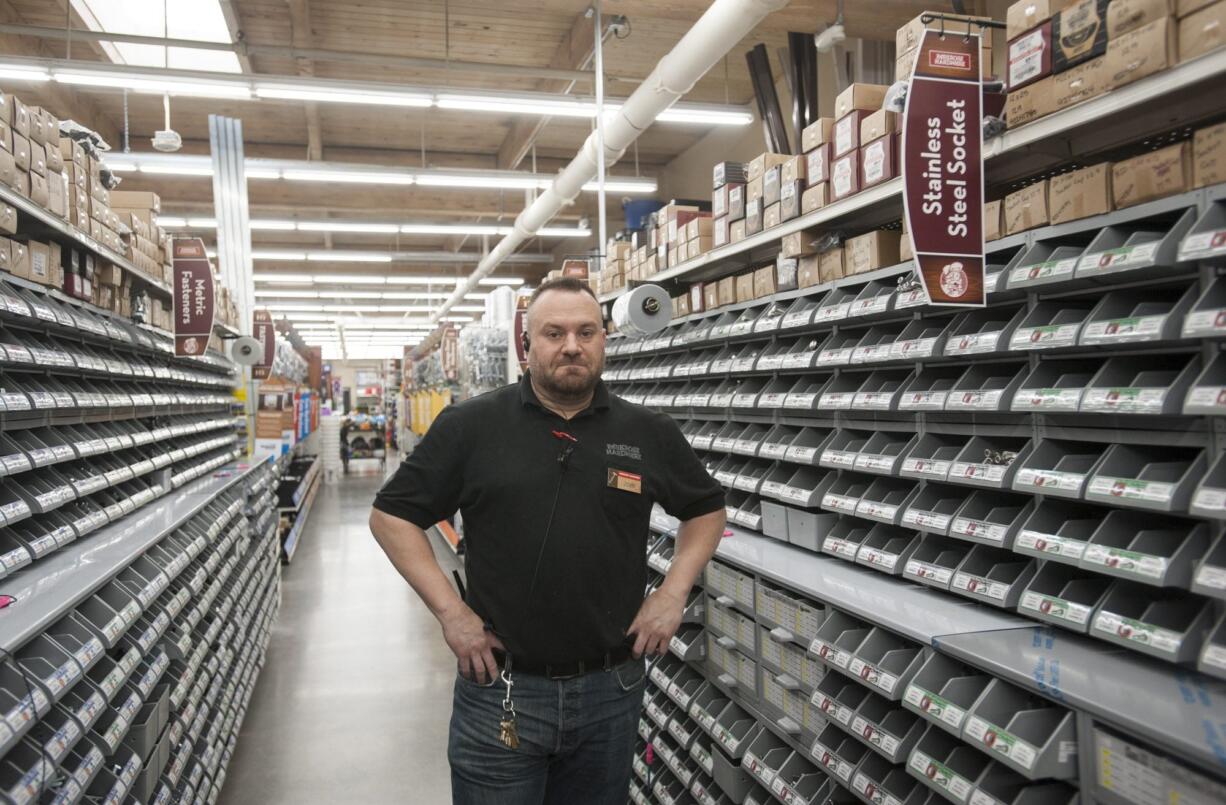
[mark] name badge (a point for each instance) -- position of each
(626, 481)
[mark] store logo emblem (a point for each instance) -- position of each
(948, 60)
(624, 451)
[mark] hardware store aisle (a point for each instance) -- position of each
(353, 704)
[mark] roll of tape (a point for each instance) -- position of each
(644, 310)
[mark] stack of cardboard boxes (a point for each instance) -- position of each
(144, 243)
(907, 41)
(1061, 53)
(1107, 186)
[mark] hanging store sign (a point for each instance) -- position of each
(518, 329)
(451, 353)
(264, 331)
(193, 290)
(943, 168)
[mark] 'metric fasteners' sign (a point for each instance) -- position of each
(943, 168)
(193, 290)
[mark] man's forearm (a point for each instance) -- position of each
(408, 547)
(696, 542)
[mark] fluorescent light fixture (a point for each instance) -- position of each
(24, 72)
(453, 229)
(348, 177)
(468, 308)
(357, 279)
(174, 170)
(328, 95)
(561, 232)
(330, 256)
(341, 226)
(502, 281)
(289, 279)
(150, 83)
(348, 294)
(202, 223)
(461, 319)
(704, 116)
(528, 182)
(544, 105)
(171, 222)
(289, 294)
(262, 173)
(623, 185)
(119, 166)
(278, 255)
(278, 226)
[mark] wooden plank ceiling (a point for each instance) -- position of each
(527, 33)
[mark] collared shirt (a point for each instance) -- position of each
(515, 469)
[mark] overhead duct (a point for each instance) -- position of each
(723, 24)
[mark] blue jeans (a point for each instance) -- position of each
(576, 739)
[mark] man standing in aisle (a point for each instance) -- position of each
(555, 479)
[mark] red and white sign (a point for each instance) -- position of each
(451, 353)
(942, 166)
(193, 290)
(263, 330)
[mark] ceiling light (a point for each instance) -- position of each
(468, 308)
(704, 116)
(563, 232)
(289, 294)
(22, 72)
(502, 281)
(359, 279)
(277, 255)
(452, 229)
(340, 226)
(202, 223)
(174, 170)
(261, 173)
(326, 95)
(477, 181)
(462, 319)
(544, 105)
(349, 177)
(294, 279)
(171, 222)
(150, 83)
(349, 294)
(330, 256)
(279, 226)
(623, 185)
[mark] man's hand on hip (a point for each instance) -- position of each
(656, 623)
(472, 644)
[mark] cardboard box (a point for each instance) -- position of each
(6, 255)
(1085, 81)
(1031, 103)
(8, 169)
(727, 173)
(770, 185)
(905, 250)
(771, 216)
(700, 227)
(143, 200)
(753, 216)
(38, 159)
(1157, 174)
(40, 190)
(1026, 14)
(807, 273)
(753, 189)
(816, 134)
(1185, 7)
(1129, 15)
(847, 133)
(21, 151)
(720, 232)
(40, 263)
(878, 124)
(800, 244)
(908, 36)
(830, 264)
(51, 129)
(736, 231)
(992, 220)
(744, 287)
(683, 305)
(20, 117)
(871, 251)
(72, 151)
(904, 65)
(845, 176)
(6, 137)
(55, 161)
(789, 200)
(727, 292)
(77, 176)
(796, 168)
(710, 295)
(786, 269)
(1203, 31)
(1142, 52)
(1209, 156)
(23, 184)
(817, 165)
(20, 262)
(1026, 208)
(1079, 33)
(736, 202)
(862, 97)
(8, 219)
(1080, 193)
(765, 282)
(761, 163)
(1029, 57)
(719, 199)
(879, 161)
(37, 133)
(814, 198)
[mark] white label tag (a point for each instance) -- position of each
(978, 529)
(927, 467)
(1122, 561)
(928, 572)
(1136, 328)
(988, 473)
(1050, 271)
(1047, 337)
(1124, 400)
(1118, 259)
(1001, 742)
(923, 401)
(1054, 607)
(1047, 399)
(977, 585)
(1203, 244)
(973, 344)
(1131, 489)
(1050, 479)
(913, 348)
(926, 520)
(974, 400)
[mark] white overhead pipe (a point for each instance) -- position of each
(723, 24)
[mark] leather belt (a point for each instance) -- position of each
(566, 670)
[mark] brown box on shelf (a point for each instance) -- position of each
(847, 133)
(736, 202)
(799, 244)
(1157, 174)
(1209, 156)
(770, 185)
(845, 176)
(753, 216)
(1079, 33)
(6, 137)
(40, 262)
(1185, 7)
(1026, 208)
(808, 273)
(1129, 15)
(786, 269)
(72, 152)
(697, 296)
(680, 217)
(6, 255)
(719, 199)
(21, 151)
(55, 160)
(830, 264)
(736, 231)
(1202, 31)
(144, 200)
(37, 133)
(8, 219)
(1080, 194)
(879, 161)
(683, 305)
(710, 295)
(1026, 14)
(765, 283)
(878, 124)
(863, 97)
(8, 169)
(908, 36)
(992, 220)
(1030, 103)
(871, 251)
(814, 198)
(770, 216)
(796, 168)
(744, 287)
(699, 227)
(19, 116)
(1143, 52)
(40, 190)
(789, 199)
(1085, 81)
(720, 231)
(77, 176)
(147, 217)
(1029, 57)
(904, 65)
(759, 165)
(700, 245)
(817, 165)
(95, 230)
(905, 251)
(816, 133)
(753, 189)
(19, 259)
(109, 274)
(23, 183)
(727, 172)
(727, 291)
(38, 158)
(674, 257)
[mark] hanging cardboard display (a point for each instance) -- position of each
(943, 169)
(194, 298)
(264, 331)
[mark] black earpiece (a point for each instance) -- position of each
(527, 342)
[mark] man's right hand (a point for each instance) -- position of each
(472, 644)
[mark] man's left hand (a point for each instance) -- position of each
(656, 623)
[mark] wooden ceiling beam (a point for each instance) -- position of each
(300, 24)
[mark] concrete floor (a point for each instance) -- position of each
(353, 703)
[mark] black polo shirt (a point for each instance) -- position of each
(505, 461)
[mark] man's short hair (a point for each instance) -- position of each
(571, 284)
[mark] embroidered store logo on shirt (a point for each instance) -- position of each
(624, 451)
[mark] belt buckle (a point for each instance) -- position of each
(558, 677)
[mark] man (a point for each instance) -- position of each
(555, 479)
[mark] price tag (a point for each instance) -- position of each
(870, 306)
(1053, 607)
(1124, 400)
(913, 348)
(799, 401)
(832, 312)
(979, 530)
(840, 503)
(797, 318)
(1200, 245)
(929, 521)
(979, 586)
(875, 510)
(1134, 328)
(941, 776)
(1122, 561)
(926, 467)
(1001, 742)
(928, 572)
(978, 400)
(836, 401)
(1131, 489)
(923, 401)
(840, 547)
(972, 344)
(963, 471)
(1045, 480)
(1210, 322)
(1040, 399)
(1048, 271)
(875, 463)
(1125, 257)
(1045, 337)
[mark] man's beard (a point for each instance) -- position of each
(569, 386)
